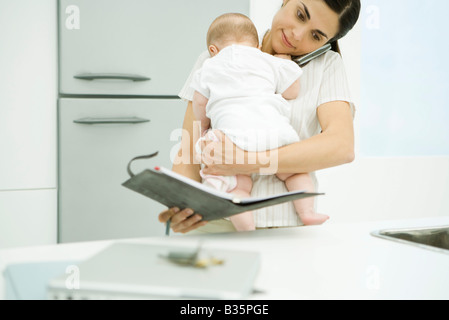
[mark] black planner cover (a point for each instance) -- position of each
(174, 190)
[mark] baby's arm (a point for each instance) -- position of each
(199, 108)
(292, 91)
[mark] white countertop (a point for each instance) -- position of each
(333, 261)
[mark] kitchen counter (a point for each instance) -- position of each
(332, 261)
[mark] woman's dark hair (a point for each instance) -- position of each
(348, 13)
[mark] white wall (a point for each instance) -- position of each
(373, 188)
(28, 93)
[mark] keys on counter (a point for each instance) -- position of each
(194, 259)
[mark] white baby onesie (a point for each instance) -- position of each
(244, 86)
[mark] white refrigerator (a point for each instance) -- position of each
(121, 66)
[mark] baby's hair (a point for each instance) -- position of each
(232, 27)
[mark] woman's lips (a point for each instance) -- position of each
(285, 41)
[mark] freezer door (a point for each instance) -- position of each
(98, 137)
(133, 47)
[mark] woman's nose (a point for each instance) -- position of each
(298, 34)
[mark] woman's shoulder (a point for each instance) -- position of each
(330, 57)
(329, 60)
(204, 55)
(186, 92)
(202, 58)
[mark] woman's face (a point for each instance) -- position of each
(302, 26)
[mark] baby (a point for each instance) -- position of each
(242, 92)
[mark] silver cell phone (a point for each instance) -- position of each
(310, 56)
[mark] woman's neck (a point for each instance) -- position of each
(266, 43)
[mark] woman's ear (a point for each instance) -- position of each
(213, 50)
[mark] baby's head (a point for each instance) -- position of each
(231, 28)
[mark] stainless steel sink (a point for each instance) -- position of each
(431, 238)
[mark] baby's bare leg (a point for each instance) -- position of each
(243, 221)
(304, 207)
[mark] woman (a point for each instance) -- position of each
(322, 113)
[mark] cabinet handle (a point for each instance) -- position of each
(125, 120)
(110, 76)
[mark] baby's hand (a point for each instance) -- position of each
(284, 56)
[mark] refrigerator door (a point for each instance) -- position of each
(133, 47)
(98, 137)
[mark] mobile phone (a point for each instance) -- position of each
(310, 56)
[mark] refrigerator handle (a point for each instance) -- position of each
(111, 76)
(125, 120)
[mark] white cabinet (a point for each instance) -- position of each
(28, 218)
(122, 65)
(133, 47)
(28, 99)
(98, 137)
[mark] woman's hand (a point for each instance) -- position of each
(182, 221)
(222, 157)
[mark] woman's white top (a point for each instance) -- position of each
(323, 80)
(244, 89)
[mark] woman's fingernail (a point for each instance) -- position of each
(175, 210)
(189, 211)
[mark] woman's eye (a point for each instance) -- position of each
(300, 15)
(316, 36)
